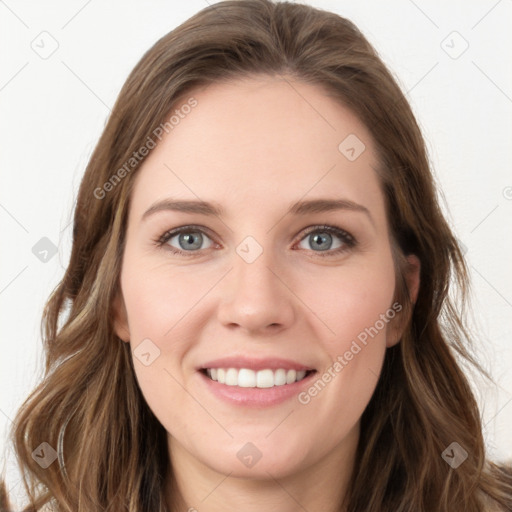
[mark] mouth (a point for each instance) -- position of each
(251, 380)
(248, 378)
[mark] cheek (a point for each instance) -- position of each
(351, 299)
(356, 309)
(158, 297)
(159, 304)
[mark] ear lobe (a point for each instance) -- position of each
(120, 321)
(412, 279)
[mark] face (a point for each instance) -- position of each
(288, 269)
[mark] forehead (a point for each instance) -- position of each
(261, 139)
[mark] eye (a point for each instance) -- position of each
(187, 239)
(322, 240)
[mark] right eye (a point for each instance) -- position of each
(185, 240)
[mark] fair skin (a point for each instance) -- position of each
(255, 147)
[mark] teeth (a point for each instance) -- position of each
(246, 378)
(231, 377)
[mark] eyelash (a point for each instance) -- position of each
(348, 240)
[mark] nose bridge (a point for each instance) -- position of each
(252, 275)
(255, 297)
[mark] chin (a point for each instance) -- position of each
(260, 460)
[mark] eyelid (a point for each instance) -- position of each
(187, 228)
(326, 228)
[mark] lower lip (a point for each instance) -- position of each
(255, 397)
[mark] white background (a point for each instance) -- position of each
(53, 111)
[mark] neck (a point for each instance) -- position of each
(194, 486)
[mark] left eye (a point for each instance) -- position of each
(322, 239)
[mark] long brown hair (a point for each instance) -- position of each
(111, 449)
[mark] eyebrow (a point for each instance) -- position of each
(299, 208)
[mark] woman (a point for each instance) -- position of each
(257, 308)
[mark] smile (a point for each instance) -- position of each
(247, 378)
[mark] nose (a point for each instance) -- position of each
(256, 298)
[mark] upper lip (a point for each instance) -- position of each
(272, 363)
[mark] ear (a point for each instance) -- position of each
(412, 279)
(120, 318)
(412, 276)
